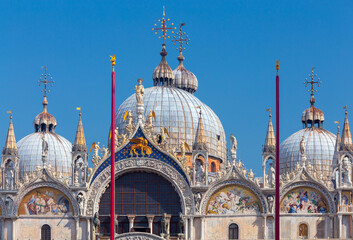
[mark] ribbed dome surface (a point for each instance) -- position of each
(320, 148)
(30, 153)
(313, 114)
(177, 110)
(44, 118)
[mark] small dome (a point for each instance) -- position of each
(44, 121)
(320, 149)
(313, 116)
(177, 110)
(30, 153)
(183, 78)
(163, 75)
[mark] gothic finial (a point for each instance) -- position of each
(312, 82)
(45, 79)
(163, 27)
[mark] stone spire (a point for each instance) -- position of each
(346, 141)
(80, 142)
(270, 141)
(200, 137)
(337, 145)
(10, 143)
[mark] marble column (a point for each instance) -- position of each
(131, 221)
(150, 222)
(77, 220)
(339, 226)
(202, 228)
(168, 220)
(88, 228)
(186, 228)
(2, 228)
(265, 227)
(192, 228)
(13, 229)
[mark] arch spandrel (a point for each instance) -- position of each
(306, 197)
(102, 180)
(233, 197)
(126, 153)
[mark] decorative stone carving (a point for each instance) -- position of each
(198, 198)
(251, 175)
(96, 222)
(9, 205)
(96, 158)
(81, 201)
(346, 172)
(270, 202)
(302, 146)
(233, 148)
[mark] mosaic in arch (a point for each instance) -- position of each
(233, 199)
(45, 201)
(304, 200)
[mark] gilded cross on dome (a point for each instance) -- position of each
(312, 81)
(181, 38)
(163, 27)
(45, 79)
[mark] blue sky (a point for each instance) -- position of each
(233, 48)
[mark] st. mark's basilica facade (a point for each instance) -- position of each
(175, 177)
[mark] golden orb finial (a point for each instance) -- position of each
(112, 60)
(277, 66)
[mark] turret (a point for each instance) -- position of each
(10, 159)
(79, 157)
(269, 149)
(200, 155)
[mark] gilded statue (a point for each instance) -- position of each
(129, 126)
(140, 144)
(140, 90)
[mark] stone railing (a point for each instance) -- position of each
(345, 208)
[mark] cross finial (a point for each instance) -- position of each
(45, 79)
(181, 38)
(312, 81)
(163, 27)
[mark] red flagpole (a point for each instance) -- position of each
(277, 221)
(112, 157)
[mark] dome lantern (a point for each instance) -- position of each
(45, 122)
(313, 116)
(163, 75)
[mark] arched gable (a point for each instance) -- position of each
(45, 199)
(306, 197)
(125, 153)
(102, 180)
(233, 197)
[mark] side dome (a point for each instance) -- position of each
(177, 110)
(30, 153)
(183, 78)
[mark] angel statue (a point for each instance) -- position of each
(183, 148)
(149, 127)
(129, 126)
(140, 90)
(105, 151)
(95, 158)
(234, 146)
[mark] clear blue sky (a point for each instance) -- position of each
(234, 45)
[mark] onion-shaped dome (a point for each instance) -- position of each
(320, 149)
(183, 78)
(30, 153)
(177, 110)
(313, 115)
(44, 120)
(163, 75)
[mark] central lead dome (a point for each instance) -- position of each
(177, 110)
